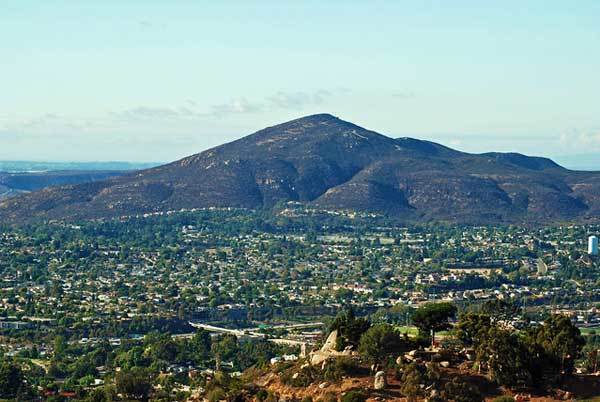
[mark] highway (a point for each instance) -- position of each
(254, 332)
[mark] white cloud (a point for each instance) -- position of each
(148, 112)
(300, 100)
(147, 132)
(581, 140)
(297, 100)
(235, 106)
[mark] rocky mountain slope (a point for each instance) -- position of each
(326, 162)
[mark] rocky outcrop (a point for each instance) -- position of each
(328, 350)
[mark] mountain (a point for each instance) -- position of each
(15, 183)
(330, 163)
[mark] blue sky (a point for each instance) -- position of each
(158, 80)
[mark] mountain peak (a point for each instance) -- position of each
(324, 119)
(312, 129)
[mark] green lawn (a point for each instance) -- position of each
(412, 331)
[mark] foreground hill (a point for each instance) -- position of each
(326, 162)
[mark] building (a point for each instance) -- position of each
(593, 245)
(14, 324)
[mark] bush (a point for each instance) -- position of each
(411, 382)
(262, 394)
(354, 396)
(216, 395)
(303, 378)
(504, 398)
(329, 397)
(340, 367)
(461, 391)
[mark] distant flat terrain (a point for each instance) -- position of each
(14, 184)
(36, 166)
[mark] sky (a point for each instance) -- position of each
(158, 80)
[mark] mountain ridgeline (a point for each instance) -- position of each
(329, 163)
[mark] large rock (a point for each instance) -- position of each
(380, 380)
(328, 350)
(331, 342)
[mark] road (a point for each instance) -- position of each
(254, 332)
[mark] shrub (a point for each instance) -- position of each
(303, 377)
(329, 397)
(340, 367)
(504, 398)
(411, 382)
(262, 394)
(216, 395)
(461, 391)
(354, 396)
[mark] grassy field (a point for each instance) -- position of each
(412, 331)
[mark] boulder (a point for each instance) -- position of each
(328, 350)
(380, 382)
(434, 395)
(331, 342)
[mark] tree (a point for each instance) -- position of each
(135, 383)
(226, 347)
(200, 346)
(164, 348)
(500, 310)
(11, 380)
(472, 328)
(380, 342)
(563, 340)
(102, 394)
(507, 357)
(60, 345)
(433, 317)
(349, 328)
